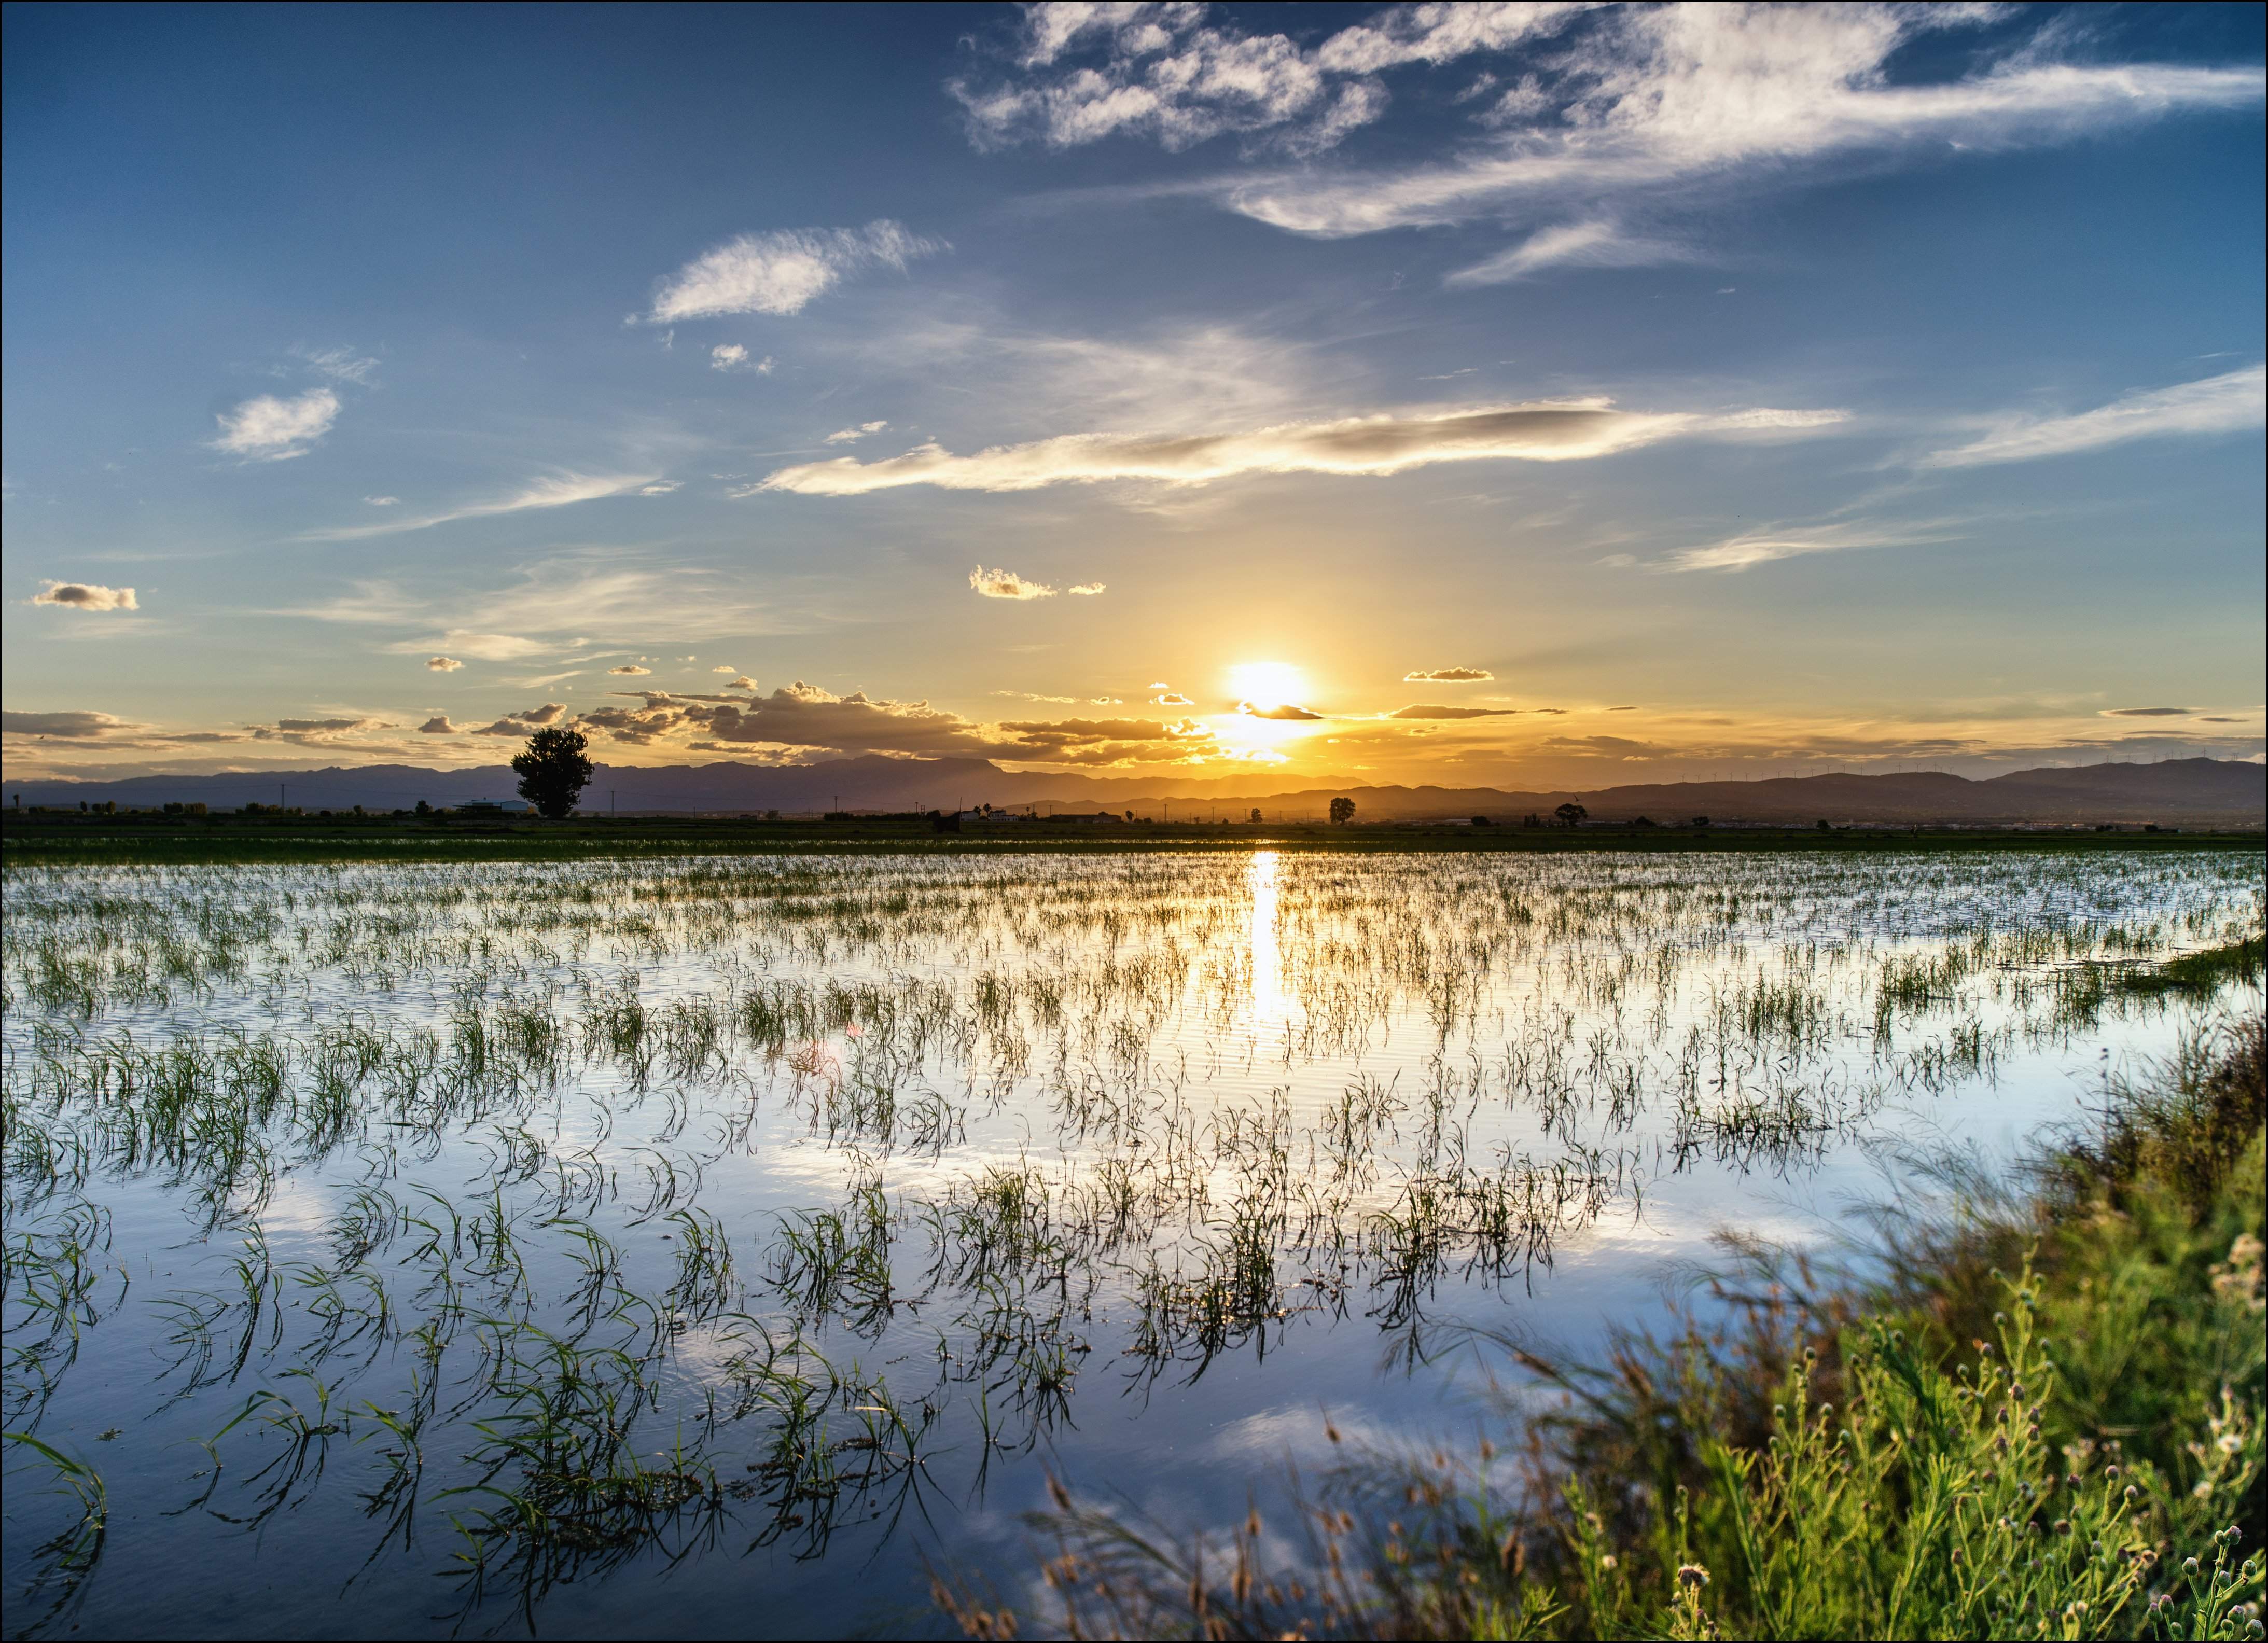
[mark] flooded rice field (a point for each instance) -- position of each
(713, 1246)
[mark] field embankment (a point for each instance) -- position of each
(2038, 1414)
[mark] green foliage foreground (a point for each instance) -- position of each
(2038, 1415)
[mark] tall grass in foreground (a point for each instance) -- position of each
(2039, 1414)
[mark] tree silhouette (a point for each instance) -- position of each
(1571, 814)
(553, 773)
(1342, 811)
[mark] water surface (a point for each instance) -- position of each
(695, 1246)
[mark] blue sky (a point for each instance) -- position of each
(1135, 389)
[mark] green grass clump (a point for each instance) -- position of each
(2204, 972)
(2039, 1415)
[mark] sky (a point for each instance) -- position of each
(1480, 395)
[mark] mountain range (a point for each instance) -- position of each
(2177, 792)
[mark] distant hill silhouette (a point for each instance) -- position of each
(2189, 792)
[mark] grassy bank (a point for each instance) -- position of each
(2037, 1414)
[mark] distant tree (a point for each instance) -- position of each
(1700, 821)
(1255, 812)
(1643, 821)
(1531, 819)
(1571, 814)
(554, 771)
(1824, 827)
(1342, 811)
(424, 809)
(1481, 821)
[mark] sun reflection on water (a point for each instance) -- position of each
(1270, 1008)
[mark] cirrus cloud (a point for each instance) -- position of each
(2228, 403)
(779, 272)
(557, 489)
(1547, 431)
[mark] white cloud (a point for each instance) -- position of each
(724, 670)
(86, 596)
(846, 436)
(1654, 99)
(660, 487)
(439, 725)
(632, 670)
(443, 664)
(732, 356)
(781, 271)
(383, 502)
(1542, 432)
(1446, 676)
(559, 491)
(2230, 403)
(267, 429)
(1085, 589)
(1600, 245)
(1007, 584)
(1172, 73)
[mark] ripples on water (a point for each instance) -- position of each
(692, 1246)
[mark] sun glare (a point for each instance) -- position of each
(1267, 684)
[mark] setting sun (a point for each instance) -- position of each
(1267, 684)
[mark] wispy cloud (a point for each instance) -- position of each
(2229, 403)
(846, 436)
(340, 365)
(1544, 431)
(267, 429)
(560, 489)
(733, 356)
(487, 647)
(1447, 675)
(1762, 547)
(781, 271)
(1599, 245)
(1086, 590)
(91, 596)
(1007, 584)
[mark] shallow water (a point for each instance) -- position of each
(698, 1247)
